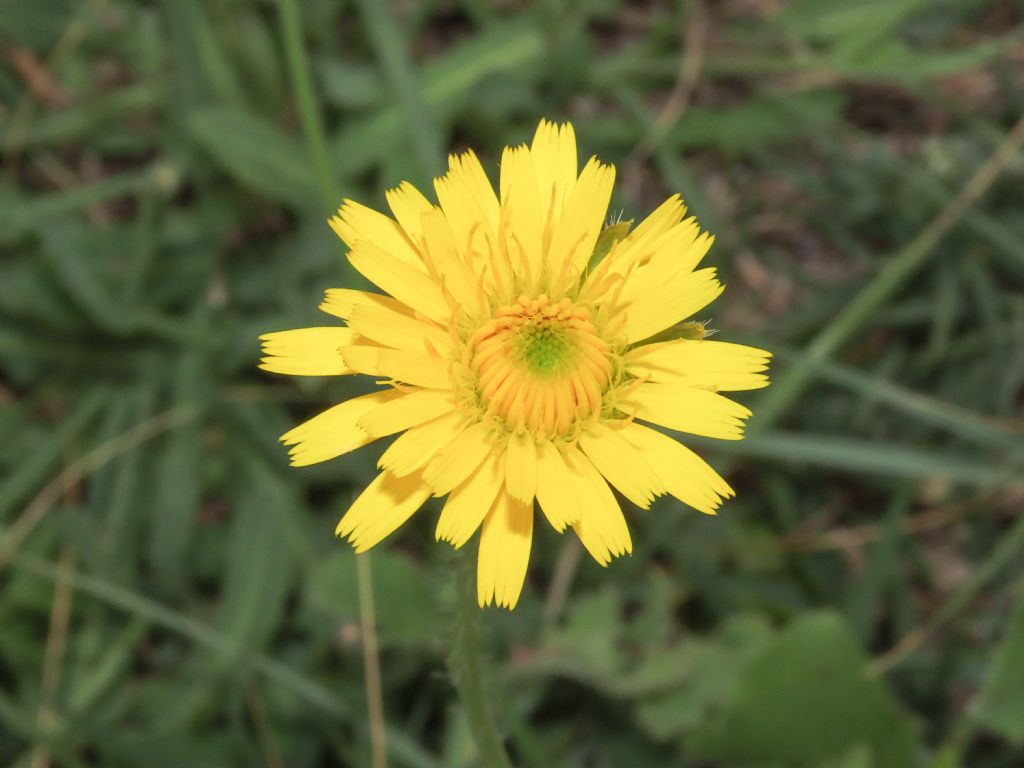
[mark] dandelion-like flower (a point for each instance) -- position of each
(522, 348)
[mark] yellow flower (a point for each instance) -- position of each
(521, 345)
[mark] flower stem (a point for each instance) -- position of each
(371, 662)
(465, 665)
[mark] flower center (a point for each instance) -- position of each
(540, 366)
(544, 346)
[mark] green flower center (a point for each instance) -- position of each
(544, 348)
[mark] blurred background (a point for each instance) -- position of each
(171, 593)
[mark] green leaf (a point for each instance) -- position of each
(867, 457)
(36, 25)
(966, 424)
(258, 566)
(405, 602)
(256, 153)
(167, 749)
(390, 44)
(806, 698)
(750, 125)
(835, 19)
(449, 81)
(200, 58)
(41, 455)
(583, 648)
(705, 672)
(179, 479)
(858, 757)
(892, 60)
(19, 214)
(1000, 705)
(104, 112)
(77, 259)
(351, 85)
(758, 123)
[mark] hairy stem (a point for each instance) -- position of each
(466, 668)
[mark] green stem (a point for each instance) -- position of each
(371, 661)
(465, 666)
(309, 115)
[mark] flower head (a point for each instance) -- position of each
(522, 348)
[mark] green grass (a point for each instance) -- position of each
(171, 593)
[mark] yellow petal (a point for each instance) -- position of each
(467, 170)
(661, 220)
(671, 257)
(407, 284)
(521, 212)
(456, 461)
(335, 431)
(456, 276)
(715, 365)
(660, 248)
(621, 464)
(469, 503)
(355, 223)
(686, 409)
(640, 244)
(468, 201)
(601, 528)
(408, 205)
(504, 552)
(669, 303)
(555, 494)
(683, 473)
(397, 364)
(407, 411)
(306, 351)
(399, 329)
(386, 503)
(341, 302)
(521, 467)
(577, 231)
(414, 447)
(553, 152)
